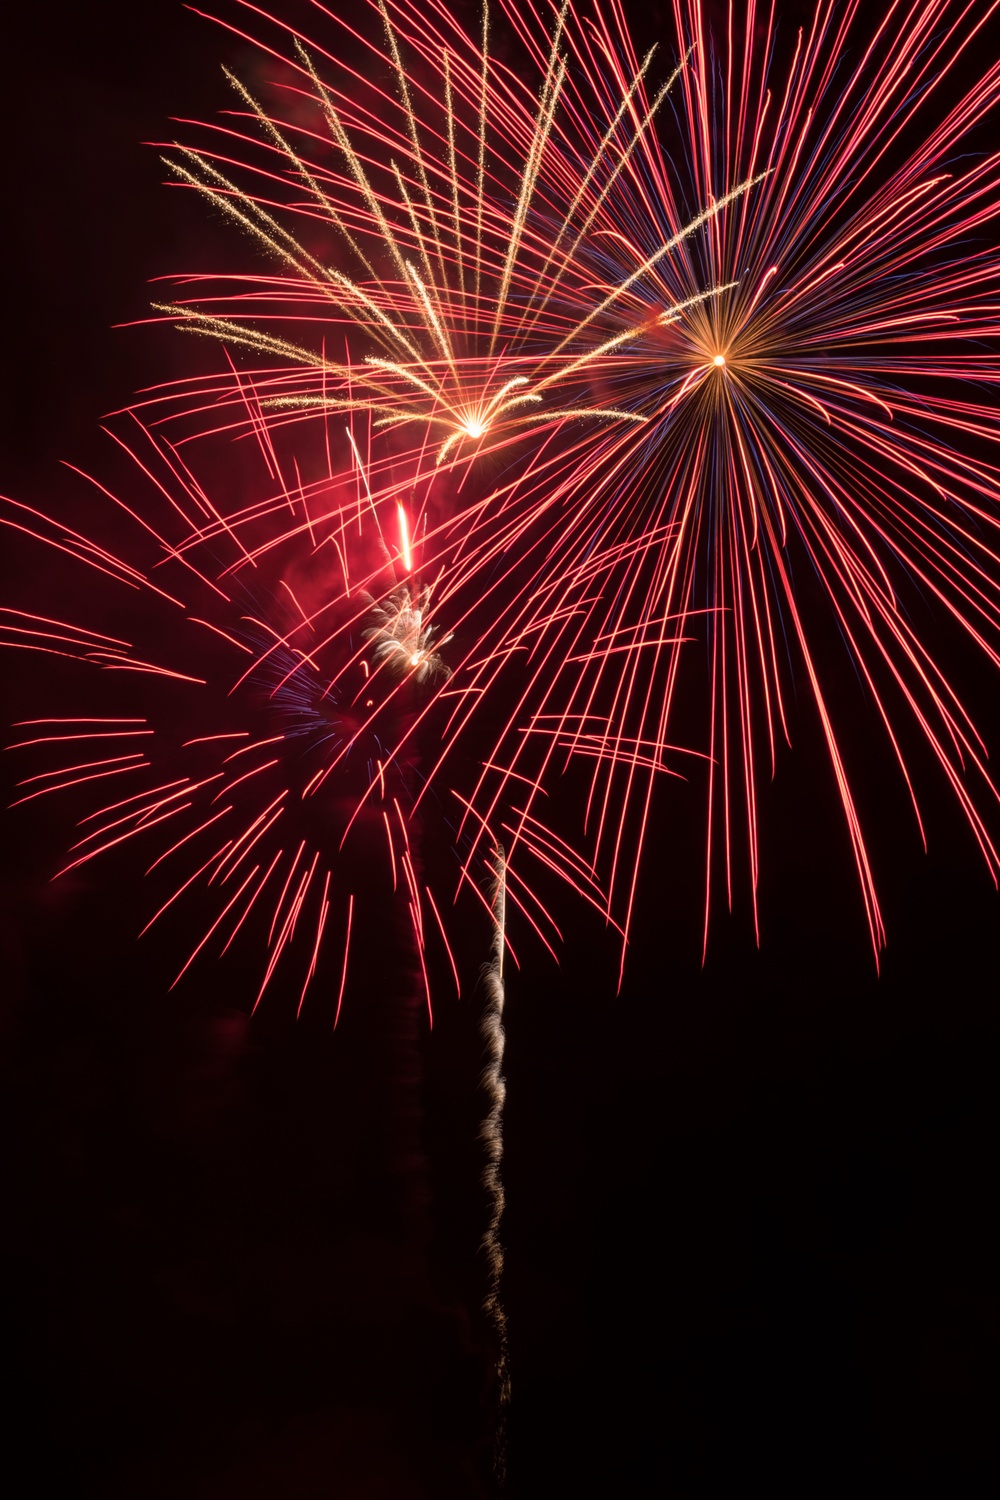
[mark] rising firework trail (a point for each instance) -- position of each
(495, 1089)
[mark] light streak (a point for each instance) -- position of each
(404, 538)
(491, 1135)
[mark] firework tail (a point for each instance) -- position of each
(494, 1087)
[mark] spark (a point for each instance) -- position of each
(403, 638)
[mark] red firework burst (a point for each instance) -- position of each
(278, 729)
(821, 450)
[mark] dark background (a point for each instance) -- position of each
(749, 1231)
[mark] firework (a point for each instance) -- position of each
(460, 201)
(401, 638)
(494, 1087)
(263, 731)
(814, 492)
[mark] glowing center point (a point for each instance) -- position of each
(415, 660)
(475, 429)
(718, 361)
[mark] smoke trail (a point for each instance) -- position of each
(491, 1029)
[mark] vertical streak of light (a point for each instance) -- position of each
(495, 1088)
(404, 537)
(343, 970)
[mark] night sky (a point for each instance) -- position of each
(750, 1205)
